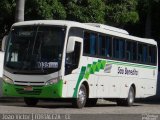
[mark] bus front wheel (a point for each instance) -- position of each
(80, 101)
(31, 101)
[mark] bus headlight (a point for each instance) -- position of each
(52, 81)
(8, 80)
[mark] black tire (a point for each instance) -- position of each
(130, 99)
(31, 101)
(91, 102)
(82, 96)
(131, 96)
(120, 102)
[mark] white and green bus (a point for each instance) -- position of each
(80, 62)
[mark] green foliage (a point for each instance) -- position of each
(86, 11)
(7, 8)
(44, 9)
(149, 10)
(130, 13)
(121, 11)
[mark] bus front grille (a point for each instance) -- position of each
(26, 83)
(35, 91)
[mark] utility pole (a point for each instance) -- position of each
(19, 15)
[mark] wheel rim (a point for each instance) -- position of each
(81, 96)
(131, 97)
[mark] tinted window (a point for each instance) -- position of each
(119, 48)
(144, 54)
(86, 43)
(134, 49)
(115, 48)
(129, 51)
(152, 54)
(140, 52)
(90, 43)
(101, 45)
(105, 46)
(108, 50)
(93, 44)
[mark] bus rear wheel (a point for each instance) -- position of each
(80, 101)
(129, 100)
(31, 101)
(131, 96)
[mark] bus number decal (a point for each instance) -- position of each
(47, 64)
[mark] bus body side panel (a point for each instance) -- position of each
(112, 79)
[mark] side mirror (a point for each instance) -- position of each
(4, 43)
(71, 44)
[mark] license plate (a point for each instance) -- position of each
(28, 88)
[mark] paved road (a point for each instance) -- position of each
(148, 110)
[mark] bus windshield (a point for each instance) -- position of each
(35, 49)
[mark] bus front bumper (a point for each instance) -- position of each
(49, 91)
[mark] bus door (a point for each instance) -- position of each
(71, 67)
(72, 59)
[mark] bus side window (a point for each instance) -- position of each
(128, 50)
(105, 46)
(108, 43)
(87, 45)
(90, 43)
(139, 52)
(115, 48)
(134, 51)
(144, 54)
(122, 49)
(93, 44)
(119, 48)
(149, 54)
(101, 45)
(153, 54)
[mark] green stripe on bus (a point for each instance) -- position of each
(131, 64)
(86, 71)
(83, 69)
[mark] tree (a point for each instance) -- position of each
(20, 5)
(140, 17)
(7, 8)
(155, 18)
(149, 20)
(44, 9)
(86, 10)
(121, 12)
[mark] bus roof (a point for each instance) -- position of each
(107, 27)
(89, 26)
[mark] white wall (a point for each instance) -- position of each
(1, 63)
(1, 70)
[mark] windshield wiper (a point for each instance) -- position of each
(35, 39)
